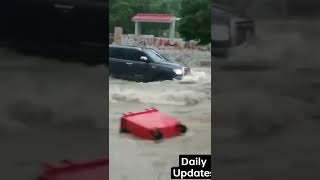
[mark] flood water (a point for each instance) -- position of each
(49, 112)
(188, 100)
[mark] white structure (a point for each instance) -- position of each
(156, 18)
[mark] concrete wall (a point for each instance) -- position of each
(151, 41)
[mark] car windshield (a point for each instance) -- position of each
(157, 57)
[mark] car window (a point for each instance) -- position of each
(123, 53)
(115, 53)
(130, 54)
(112, 52)
(139, 54)
(155, 56)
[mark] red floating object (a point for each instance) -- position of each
(151, 124)
(69, 170)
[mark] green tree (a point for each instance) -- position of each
(121, 12)
(195, 23)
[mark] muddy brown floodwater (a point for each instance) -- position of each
(49, 112)
(188, 100)
(266, 124)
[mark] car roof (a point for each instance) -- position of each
(130, 47)
(127, 47)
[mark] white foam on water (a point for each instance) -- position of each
(37, 90)
(198, 75)
(189, 91)
(44, 91)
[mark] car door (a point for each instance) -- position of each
(93, 27)
(121, 63)
(142, 71)
(114, 61)
(8, 13)
(128, 63)
(42, 22)
(27, 19)
(77, 22)
(81, 26)
(92, 21)
(64, 21)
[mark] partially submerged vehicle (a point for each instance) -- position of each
(66, 29)
(229, 29)
(143, 64)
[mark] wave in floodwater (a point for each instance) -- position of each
(42, 92)
(191, 58)
(192, 90)
(45, 93)
(277, 50)
(198, 76)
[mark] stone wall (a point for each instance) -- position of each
(151, 41)
(154, 42)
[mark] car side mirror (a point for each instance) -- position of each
(144, 59)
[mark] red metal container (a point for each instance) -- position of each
(151, 124)
(69, 170)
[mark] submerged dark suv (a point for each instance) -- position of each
(70, 29)
(143, 64)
